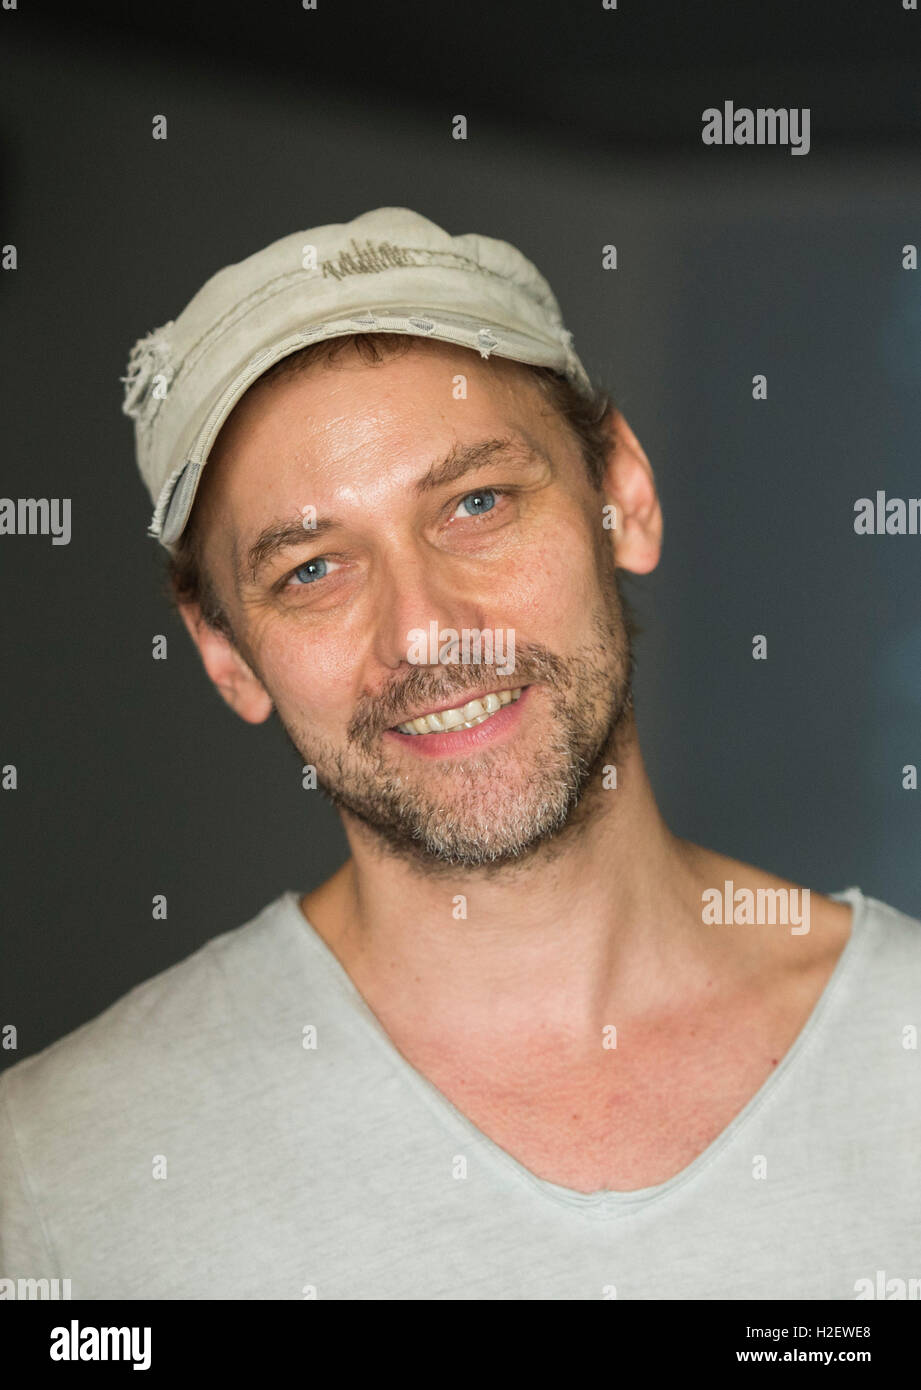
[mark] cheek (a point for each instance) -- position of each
(555, 586)
(312, 676)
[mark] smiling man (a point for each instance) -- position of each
(525, 1042)
(473, 515)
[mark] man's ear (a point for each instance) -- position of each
(629, 486)
(243, 691)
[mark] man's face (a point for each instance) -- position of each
(418, 522)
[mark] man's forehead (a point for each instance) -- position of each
(503, 411)
(326, 411)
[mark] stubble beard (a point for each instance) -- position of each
(487, 810)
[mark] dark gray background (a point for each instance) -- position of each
(584, 129)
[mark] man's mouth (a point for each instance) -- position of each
(464, 716)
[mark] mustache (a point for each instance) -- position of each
(433, 685)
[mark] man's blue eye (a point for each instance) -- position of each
(310, 571)
(478, 502)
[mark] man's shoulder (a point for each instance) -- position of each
(897, 933)
(161, 1028)
(890, 941)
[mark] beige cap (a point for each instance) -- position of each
(387, 271)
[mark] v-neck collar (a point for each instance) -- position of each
(605, 1201)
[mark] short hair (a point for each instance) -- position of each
(188, 580)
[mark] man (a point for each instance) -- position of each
(525, 1043)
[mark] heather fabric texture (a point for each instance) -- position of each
(336, 1170)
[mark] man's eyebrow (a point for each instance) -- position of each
(462, 458)
(279, 535)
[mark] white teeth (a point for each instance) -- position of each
(462, 717)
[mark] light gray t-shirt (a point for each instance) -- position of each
(187, 1144)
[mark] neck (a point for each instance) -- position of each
(553, 943)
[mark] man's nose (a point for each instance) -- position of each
(417, 594)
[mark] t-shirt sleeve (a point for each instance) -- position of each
(24, 1249)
